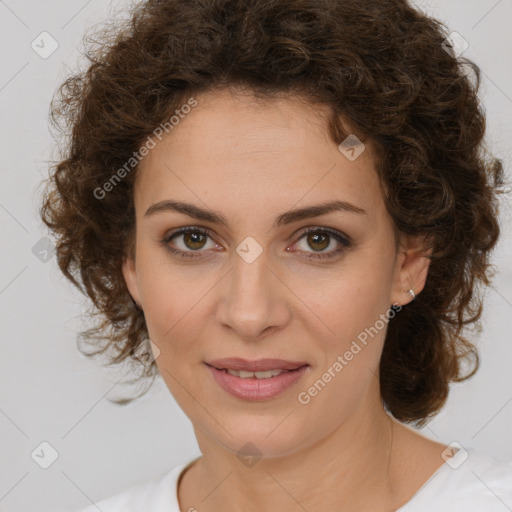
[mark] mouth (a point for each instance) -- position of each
(238, 364)
(253, 375)
(256, 380)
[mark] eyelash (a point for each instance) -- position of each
(343, 240)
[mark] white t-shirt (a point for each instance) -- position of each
(479, 483)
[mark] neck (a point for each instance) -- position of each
(351, 469)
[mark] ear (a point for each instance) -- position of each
(413, 261)
(130, 277)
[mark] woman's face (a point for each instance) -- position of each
(257, 286)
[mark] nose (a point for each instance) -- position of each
(252, 301)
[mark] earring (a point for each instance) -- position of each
(396, 304)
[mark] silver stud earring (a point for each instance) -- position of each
(411, 292)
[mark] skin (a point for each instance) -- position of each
(252, 160)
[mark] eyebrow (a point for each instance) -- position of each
(285, 218)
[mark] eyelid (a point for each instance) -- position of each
(322, 229)
(183, 230)
(299, 233)
(344, 243)
(344, 240)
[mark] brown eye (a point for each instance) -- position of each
(318, 240)
(188, 241)
(194, 240)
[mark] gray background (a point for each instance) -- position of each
(50, 393)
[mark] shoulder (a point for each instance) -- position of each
(469, 481)
(155, 494)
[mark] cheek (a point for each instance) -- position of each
(177, 307)
(348, 330)
(166, 297)
(345, 301)
(348, 327)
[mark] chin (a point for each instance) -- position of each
(261, 435)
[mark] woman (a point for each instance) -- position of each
(285, 210)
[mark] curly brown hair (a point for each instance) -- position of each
(381, 64)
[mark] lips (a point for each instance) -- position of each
(262, 379)
(258, 365)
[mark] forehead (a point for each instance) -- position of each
(254, 152)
